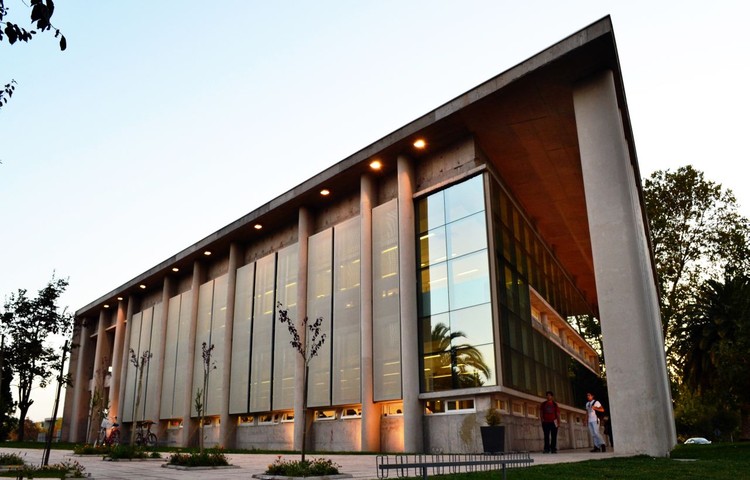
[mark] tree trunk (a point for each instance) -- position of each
(21, 422)
(745, 422)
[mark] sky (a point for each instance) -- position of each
(165, 121)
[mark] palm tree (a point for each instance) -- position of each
(714, 342)
(466, 362)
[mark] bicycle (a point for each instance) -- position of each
(144, 436)
(111, 439)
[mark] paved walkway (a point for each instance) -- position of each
(359, 466)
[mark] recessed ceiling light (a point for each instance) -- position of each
(175, 269)
(376, 165)
(257, 226)
(142, 286)
(325, 192)
(106, 305)
(119, 299)
(420, 143)
(207, 253)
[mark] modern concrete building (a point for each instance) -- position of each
(446, 261)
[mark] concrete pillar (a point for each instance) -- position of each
(639, 394)
(100, 368)
(407, 265)
(228, 425)
(80, 385)
(189, 425)
(120, 356)
(160, 428)
(370, 431)
(304, 230)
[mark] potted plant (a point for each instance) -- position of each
(493, 434)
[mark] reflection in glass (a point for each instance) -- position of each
(464, 198)
(466, 236)
(431, 211)
(432, 247)
(469, 280)
(434, 289)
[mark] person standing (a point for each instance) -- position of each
(593, 406)
(549, 414)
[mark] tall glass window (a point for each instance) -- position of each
(262, 339)
(285, 357)
(386, 320)
(457, 347)
(319, 295)
(346, 313)
(242, 326)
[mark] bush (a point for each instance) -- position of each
(10, 459)
(126, 451)
(88, 449)
(66, 469)
(209, 458)
(308, 468)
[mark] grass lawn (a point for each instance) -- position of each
(727, 461)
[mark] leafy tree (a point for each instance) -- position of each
(7, 405)
(30, 324)
(714, 344)
(41, 16)
(696, 234)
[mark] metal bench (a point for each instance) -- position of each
(441, 464)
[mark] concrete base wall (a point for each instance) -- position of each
(392, 434)
(266, 437)
(340, 435)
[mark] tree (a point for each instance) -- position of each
(696, 234)
(7, 405)
(308, 348)
(200, 395)
(30, 324)
(41, 15)
(714, 344)
(139, 363)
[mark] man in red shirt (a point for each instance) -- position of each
(549, 414)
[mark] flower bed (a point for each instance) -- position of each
(317, 467)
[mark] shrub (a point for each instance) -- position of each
(126, 451)
(303, 468)
(209, 458)
(493, 417)
(88, 449)
(11, 459)
(65, 469)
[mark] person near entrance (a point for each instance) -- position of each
(593, 406)
(549, 414)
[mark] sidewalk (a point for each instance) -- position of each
(359, 466)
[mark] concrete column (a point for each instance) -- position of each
(160, 428)
(228, 425)
(100, 367)
(639, 394)
(304, 230)
(189, 425)
(370, 431)
(120, 356)
(80, 385)
(407, 265)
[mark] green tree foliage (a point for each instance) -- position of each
(29, 324)
(696, 234)
(41, 15)
(714, 342)
(7, 405)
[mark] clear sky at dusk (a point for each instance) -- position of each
(164, 121)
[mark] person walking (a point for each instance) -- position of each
(593, 406)
(549, 414)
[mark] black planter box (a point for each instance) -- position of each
(493, 438)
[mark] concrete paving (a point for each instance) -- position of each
(359, 466)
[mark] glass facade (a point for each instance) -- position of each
(532, 363)
(455, 314)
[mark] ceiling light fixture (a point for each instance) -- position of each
(207, 253)
(325, 192)
(257, 226)
(175, 269)
(420, 143)
(376, 165)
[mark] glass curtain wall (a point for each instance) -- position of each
(531, 362)
(456, 335)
